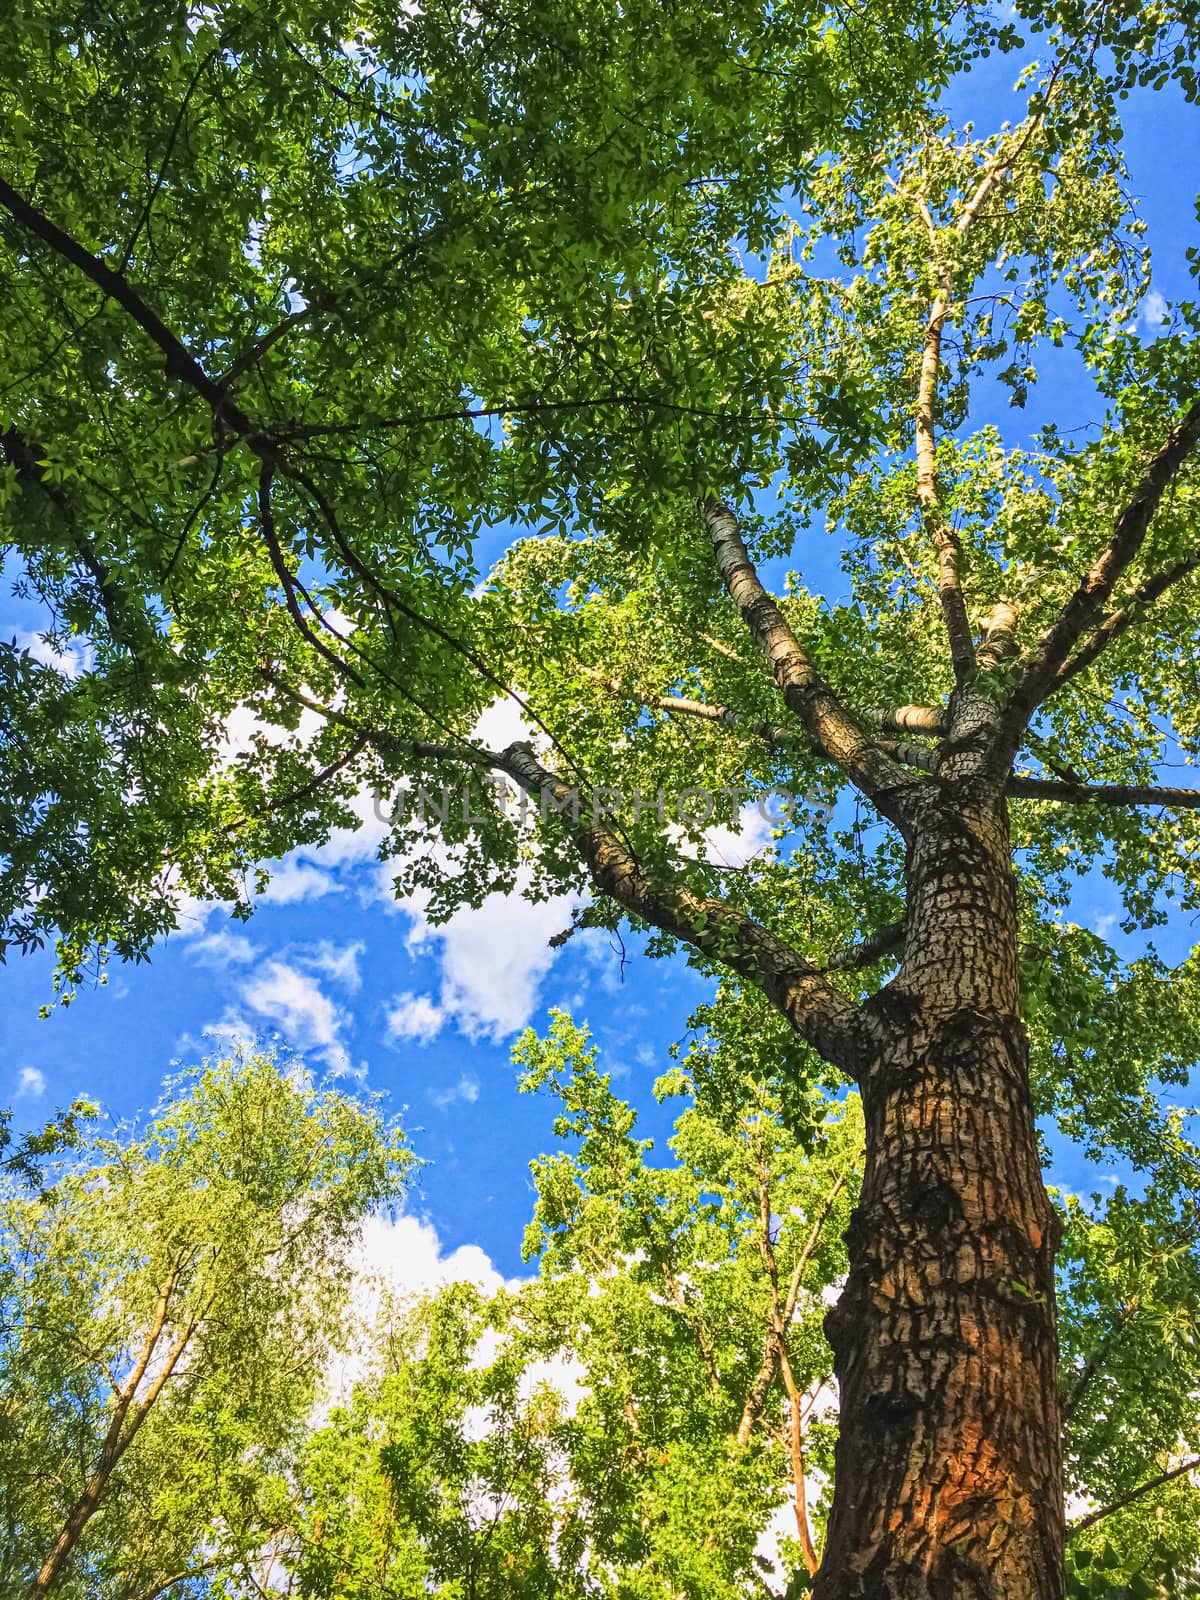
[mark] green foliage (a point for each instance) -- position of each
(434, 269)
(302, 320)
(26, 1161)
(582, 1433)
(170, 1300)
(602, 1430)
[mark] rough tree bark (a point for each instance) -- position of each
(948, 1476)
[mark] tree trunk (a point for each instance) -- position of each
(948, 1482)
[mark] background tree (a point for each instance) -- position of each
(627, 1422)
(170, 1304)
(994, 690)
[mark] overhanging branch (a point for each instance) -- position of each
(1135, 1494)
(813, 1007)
(940, 531)
(817, 1011)
(1118, 622)
(1104, 794)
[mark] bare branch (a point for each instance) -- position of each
(722, 648)
(778, 1328)
(817, 1011)
(180, 362)
(929, 720)
(290, 584)
(770, 732)
(255, 353)
(128, 1415)
(806, 694)
(867, 951)
(803, 995)
(1099, 1356)
(266, 444)
(1135, 1494)
(1116, 623)
(941, 534)
(1104, 794)
(756, 1398)
(796, 1441)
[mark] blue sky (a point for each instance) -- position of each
(334, 968)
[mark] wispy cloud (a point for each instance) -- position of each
(414, 1017)
(69, 659)
(1153, 312)
(464, 1092)
(293, 1002)
(337, 962)
(31, 1084)
(223, 949)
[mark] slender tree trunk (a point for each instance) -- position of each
(128, 1415)
(948, 1479)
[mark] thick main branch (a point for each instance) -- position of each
(815, 1009)
(806, 694)
(1105, 794)
(1085, 607)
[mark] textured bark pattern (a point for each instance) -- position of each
(948, 1483)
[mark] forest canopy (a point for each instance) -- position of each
(363, 368)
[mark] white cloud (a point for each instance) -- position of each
(314, 871)
(414, 1016)
(400, 1257)
(727, 845)
(493, 959)
(223, 949)
(294, 879)
(405, 1255)
(69, 659)
(338, 962)
(464, 1092)
(31, 1084)
(294, 1002)
(233, 1034)
(1153, 311)
(191, 914)
(350, 846)
(502, 724)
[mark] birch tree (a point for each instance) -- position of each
(169, 1305)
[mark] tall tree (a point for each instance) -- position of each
(652, 1414)
(170, 1302)
(1014, 661)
